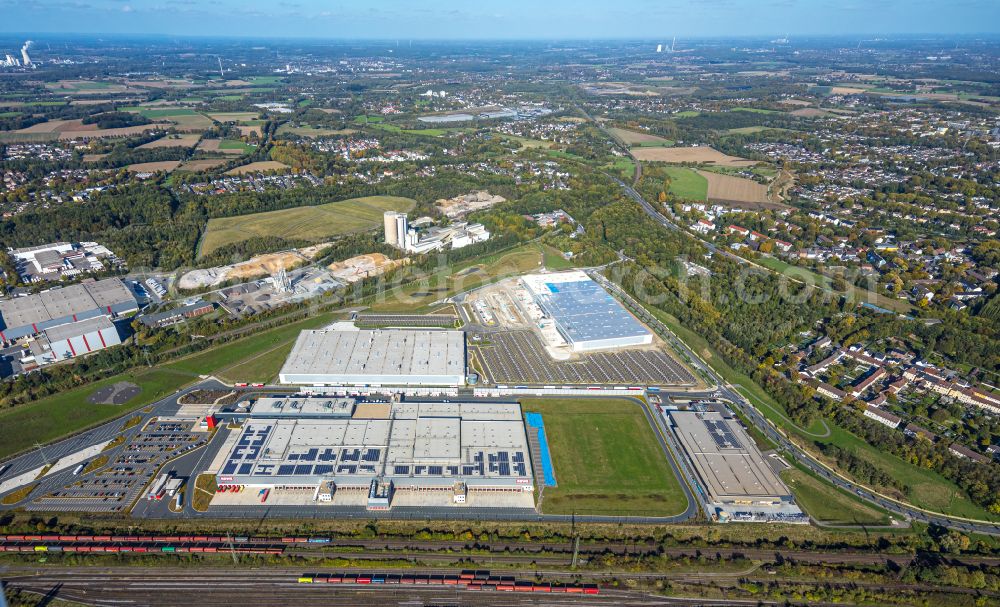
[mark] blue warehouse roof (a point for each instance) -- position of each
(586, 312)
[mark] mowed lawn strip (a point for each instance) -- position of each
(828, 504)
(607, 459)
(308, 223)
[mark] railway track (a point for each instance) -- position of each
(513, 552)
(157, 586)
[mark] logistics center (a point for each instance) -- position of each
(586, 315)
(374, 454)
(360, 357)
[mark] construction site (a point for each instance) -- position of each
(563, 328)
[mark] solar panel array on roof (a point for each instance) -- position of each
(474, 442)
(586, 315)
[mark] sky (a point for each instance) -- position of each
(506, 19)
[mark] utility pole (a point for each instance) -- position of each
(42, 453)
(232, 550)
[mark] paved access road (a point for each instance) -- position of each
(727, 392)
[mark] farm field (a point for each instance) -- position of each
(232, 116)
(312, 131)
(172, 141)
(57, 126)
(202, 164)
(392, 128)
(635, 138)
(247, 131)
(99, 133)
(727, 188)
(826, 503)
(153, 167)
(86, 87)
(230, 145)
(606, 460)
(258, 167)
(223, 146)
(693, 154)
(688, 183)
(809, 112)
(309, 223)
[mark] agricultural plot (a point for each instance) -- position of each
(258, 167)
(225, 146)
(202, 164)
(730, 189)
(313, 223)
(702, 154)
(172, 141)
(86, 87)
(233, 116)
(153, 167)
(635, 138)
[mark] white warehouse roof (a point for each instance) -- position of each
(383, 356)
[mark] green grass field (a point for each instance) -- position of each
(625, 167)
(418, 296)
(688, 184)
(828, 504)
(554, 260)
(606, 459)
(49, 418)
(260, 355)
(312, 223)
(363, 119)
(687, 114)
(232, 144)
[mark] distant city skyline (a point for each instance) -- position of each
(512, 19)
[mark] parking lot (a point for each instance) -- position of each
(517, 357)
(114, 486)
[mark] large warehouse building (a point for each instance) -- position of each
(389, 357)
(448, 451)
(33, 314)
(586, 315)
(730, 466)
